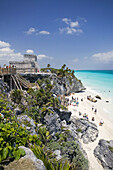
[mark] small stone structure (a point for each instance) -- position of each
(29, 65)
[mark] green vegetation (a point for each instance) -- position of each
(36, 104)
(62, 72)
(50, 164)
(16, 96)
(111, 149)
(79, 130)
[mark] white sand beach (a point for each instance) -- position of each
(105, 131)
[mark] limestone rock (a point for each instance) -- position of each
(53, 123)
(84, 129)
(104, 152)
(61, 85)
(64, 115)
(58, 154)
(24, 164)
(28, 123)
(28, 162)
(30, 155)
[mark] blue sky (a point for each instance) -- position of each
(78, 33)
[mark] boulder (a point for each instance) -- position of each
(28, 162)
(64, 115)
(53, 123)
(104, 152)
(84, 129)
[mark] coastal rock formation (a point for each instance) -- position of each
(53, 123)
(55, 119)
(62, 85)
(28, 162)
(64, 115)
(28, 123)
(84, 129)
(104, 152)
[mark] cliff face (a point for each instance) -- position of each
(65, 85)
(61, 85)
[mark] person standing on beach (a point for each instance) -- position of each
(95, 111)
(92, 108)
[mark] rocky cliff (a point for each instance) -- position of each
(61, 85)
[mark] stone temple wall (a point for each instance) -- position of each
(29, 65)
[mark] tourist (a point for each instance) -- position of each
(93, 119)
(92, 108)
(80, 113)
(101, 122)
(82, 100)
(77, 104)
(84, 115)
(95, 111)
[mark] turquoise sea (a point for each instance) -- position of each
(100, 81)
(97, 80)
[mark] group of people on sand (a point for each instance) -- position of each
(73, 101)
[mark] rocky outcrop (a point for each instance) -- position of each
(84, 129)
(28, 123)
(104, 152)
(28, 162)
(62, 85)
(53, 123)
(64, 115)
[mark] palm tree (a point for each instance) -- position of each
(48, 65)
(63, 66)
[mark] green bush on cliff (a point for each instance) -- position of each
(16, 96)
(50, 164)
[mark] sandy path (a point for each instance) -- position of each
(105, 131)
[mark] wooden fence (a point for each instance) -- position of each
(10, 70)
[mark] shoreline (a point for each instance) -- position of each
(105, 130)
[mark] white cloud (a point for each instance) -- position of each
(69, 30)
(74, 24)
(33, 30)
(103, 57)
(29, 51)
(4, 44)
(44, 32)
(7, 54)
(76, 60)
(66, 20)
(73, 27)
(70, 22)
(30, 31)
(43, 56)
